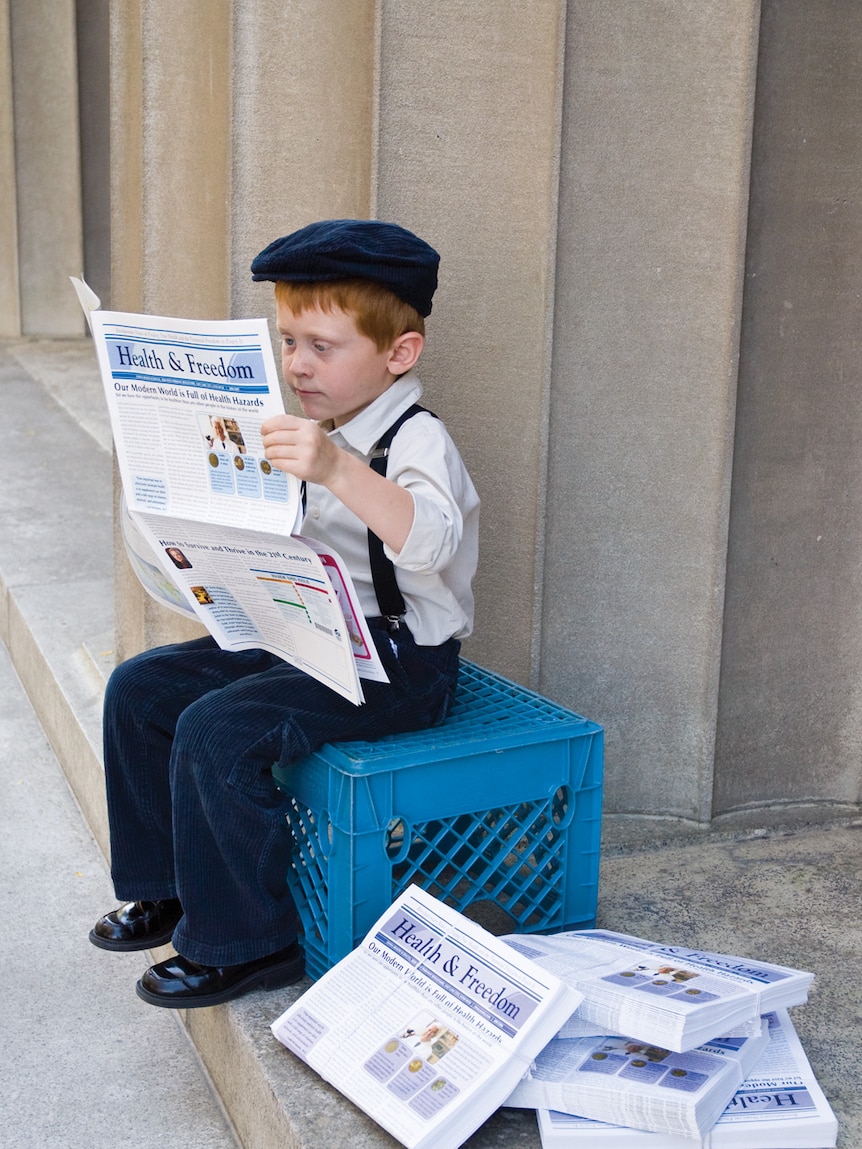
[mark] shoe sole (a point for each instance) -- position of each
(120, 946)
(275, 978)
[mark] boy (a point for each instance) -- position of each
(199, 840)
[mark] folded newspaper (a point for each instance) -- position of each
(428, 1024)
(779, 1106)
(634, 1083)
(673, 996)
(210, 525)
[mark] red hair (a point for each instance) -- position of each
(378, 314)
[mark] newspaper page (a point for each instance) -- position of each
(675, 996)
(428, 1024)
(254, 590)
(634, 1083)
(186, 400)
(209, 524)
(366, 658)
(780, 1105)
(160, 584)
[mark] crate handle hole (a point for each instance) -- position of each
(324, 835)
(563, 804)
(399, 835)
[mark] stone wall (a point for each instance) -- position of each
(644, 340)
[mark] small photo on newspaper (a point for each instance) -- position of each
(409, 1062)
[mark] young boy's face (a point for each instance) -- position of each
(333, 369)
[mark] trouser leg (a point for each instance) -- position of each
(144, 699)
(230, 844)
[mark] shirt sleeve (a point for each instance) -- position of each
(424, 461)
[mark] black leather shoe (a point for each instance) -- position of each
(137, 925)
(180, 983)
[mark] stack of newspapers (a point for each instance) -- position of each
(778, 1106)
(432, 1023)
(672, 1048)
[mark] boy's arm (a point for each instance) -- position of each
(301, 448)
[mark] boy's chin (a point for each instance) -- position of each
(310, 408)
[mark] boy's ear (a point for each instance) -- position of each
(404, 352)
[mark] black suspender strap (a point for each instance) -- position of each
(389, 597)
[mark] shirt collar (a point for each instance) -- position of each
(364, 429)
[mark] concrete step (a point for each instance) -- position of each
(789, 895)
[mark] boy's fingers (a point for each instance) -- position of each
(280, 423)
(282, 439)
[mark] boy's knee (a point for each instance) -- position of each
(196, 726)
(217, 747)
(207, 734)
(130, 679)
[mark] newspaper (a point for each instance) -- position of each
(577, 1026)
(779, 1106)
(634, 1083)
(673, 996)
(428, 1024)
(210, 525)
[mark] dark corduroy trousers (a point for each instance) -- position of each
(191, 733)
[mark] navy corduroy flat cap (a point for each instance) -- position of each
(355, 249)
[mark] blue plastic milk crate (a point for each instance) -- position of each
(500, 803)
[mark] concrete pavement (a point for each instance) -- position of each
(87, 1049)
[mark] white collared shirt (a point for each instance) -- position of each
(436, 565)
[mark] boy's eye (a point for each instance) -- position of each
(319, 346)
(287, 341)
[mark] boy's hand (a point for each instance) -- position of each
(301, 448)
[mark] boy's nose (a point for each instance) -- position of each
(295, 363)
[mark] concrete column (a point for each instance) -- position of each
(127, 156)
(170, 141)
(302, 129)
(186, 156)
(469, 102)
(10, 312)
(790, 720)
(94, 101)
(654, 181)
(303, 135)
(47, 165)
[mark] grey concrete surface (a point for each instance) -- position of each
(47, 164)
(647, 303)
(86, 1062)
(789, 717)
(87, 1052)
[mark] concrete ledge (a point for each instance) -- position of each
(630, 833)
